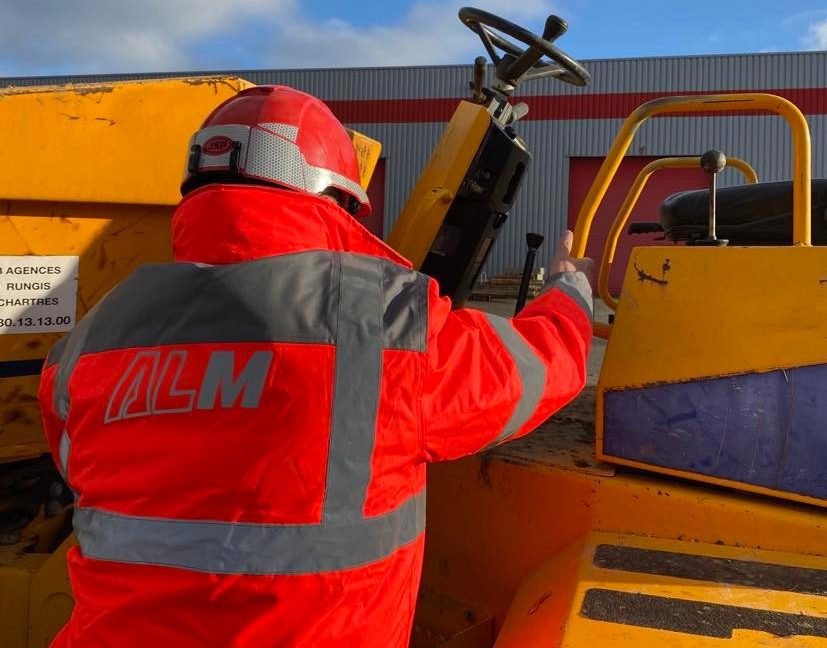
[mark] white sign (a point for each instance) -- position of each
(38, 294)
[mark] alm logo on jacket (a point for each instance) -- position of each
(150, 385)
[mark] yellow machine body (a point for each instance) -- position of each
(418, 224)
(513, 533)
(95, 173)
(714, 366)
(368, 151)
(35, 596)
(629, 591)
(701, 331)
(114, 143)
(629, 203)
(464, 196)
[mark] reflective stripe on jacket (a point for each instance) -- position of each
(247, 429)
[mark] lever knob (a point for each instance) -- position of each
(713, 161)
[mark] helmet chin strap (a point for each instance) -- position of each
(342, 199)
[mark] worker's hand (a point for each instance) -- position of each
(562, 261)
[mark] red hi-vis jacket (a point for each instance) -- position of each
(246, 430)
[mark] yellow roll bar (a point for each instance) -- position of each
(631, 200)
(706, 103)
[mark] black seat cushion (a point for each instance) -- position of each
(759, 214)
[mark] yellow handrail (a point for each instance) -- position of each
(706, 103)
(629, 203)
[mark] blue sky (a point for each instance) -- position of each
(100, 36)
(623, 28)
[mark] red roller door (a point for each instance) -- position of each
(582, 172)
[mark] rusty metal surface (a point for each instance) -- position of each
(564, 441)
(445, 622)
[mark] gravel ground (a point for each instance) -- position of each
(506, 309)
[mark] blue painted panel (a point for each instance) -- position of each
(767, 429)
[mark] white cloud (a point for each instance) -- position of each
(97, 36)
(816, 38)
(118, 35)
(429, 33)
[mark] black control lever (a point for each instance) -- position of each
(713, 162)
(555, 27)
(480, 64)
(534, 241)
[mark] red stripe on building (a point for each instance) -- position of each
(811, 101)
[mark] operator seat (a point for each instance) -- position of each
(756, 214)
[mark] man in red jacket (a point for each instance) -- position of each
(246, 429)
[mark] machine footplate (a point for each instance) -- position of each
(624, 591)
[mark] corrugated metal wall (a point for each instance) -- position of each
(542, 207)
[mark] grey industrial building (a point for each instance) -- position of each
(568, 129)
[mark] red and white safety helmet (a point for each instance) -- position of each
(277, 135)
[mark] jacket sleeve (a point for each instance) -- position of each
(53, 424)
(492, 379)
(53, 393)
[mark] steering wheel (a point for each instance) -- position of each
(522, 64)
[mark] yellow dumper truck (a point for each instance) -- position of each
(681, 502)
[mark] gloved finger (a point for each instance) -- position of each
(563, 250)
(586, 266)
(566, 241)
